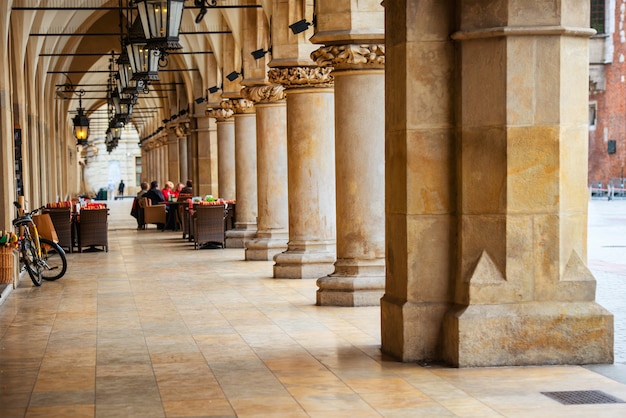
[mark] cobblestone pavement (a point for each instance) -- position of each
(606, 256)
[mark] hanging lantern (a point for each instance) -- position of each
(116, 127)
(161, 22)
(81, 122)
(124, 109)
(144, 61)
(124, 73)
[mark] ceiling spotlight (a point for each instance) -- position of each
(260, 53)
(213, 89)
(200, 100)
(233, 76)
(299, 26)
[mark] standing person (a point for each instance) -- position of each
(111, 190)
(120, 189)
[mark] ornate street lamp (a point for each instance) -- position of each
(161, 22)
(144, 60)
(81, 122)
(124, 73)
(116, 127)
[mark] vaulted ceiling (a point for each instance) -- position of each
(72, 43)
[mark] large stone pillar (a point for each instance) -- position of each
(173, 159)
(161, 168)
(522, 284)
(311, 167)
(207, 157)
(497, 277)
(225, 152)
(273, 206)
(245, 173)
(359, 276)
(183, 171)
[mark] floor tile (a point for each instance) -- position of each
(159, 329)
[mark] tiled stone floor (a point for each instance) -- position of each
(154, 328)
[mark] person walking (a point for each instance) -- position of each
(120, 189)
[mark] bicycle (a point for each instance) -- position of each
(42, 258)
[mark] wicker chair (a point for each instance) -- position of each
(93, 229)
(185, 222)
(208, 225)
(62, 221)
(153, 214)
(230, 216)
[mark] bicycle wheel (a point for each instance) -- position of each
(53, 260)
(29, 258)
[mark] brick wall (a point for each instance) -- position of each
(611, 115)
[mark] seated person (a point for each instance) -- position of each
(156, 197)
(155, 194)
(187, 190)
(169, 195)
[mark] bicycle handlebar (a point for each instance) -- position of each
(32, 212)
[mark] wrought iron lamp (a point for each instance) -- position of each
(81, 122)
(161, 22)
(144, 60)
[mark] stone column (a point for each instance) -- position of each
(359, 276)
(173, 159)
(273, 206)
(245, 173)
(183, 171)
(486, 242)
(207, 160)
(311, 172)
(225, 152)
(162, 160)
(523, 292)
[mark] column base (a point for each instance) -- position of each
(237, 238)
(533, 333)
(354, 283)
(411, 332)
(305, 260)
(264, 248)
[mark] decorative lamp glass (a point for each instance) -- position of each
(144, 60)
(161, 22)
(81, 122)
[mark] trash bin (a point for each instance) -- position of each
(102, 194)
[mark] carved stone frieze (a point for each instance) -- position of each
(350, 56)
(263, 94)
(220, 114)
(294, 77)
(238, 106)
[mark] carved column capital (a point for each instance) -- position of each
(295, 77)
(238, 106)
(263, 94)
(351, 56)
(219, 114)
